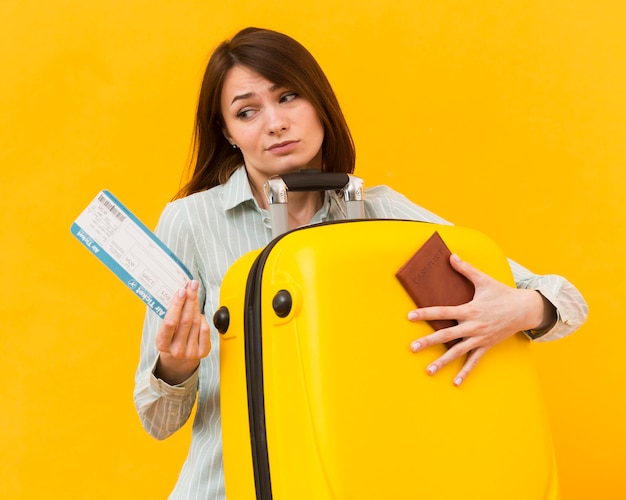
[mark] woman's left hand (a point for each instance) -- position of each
(496, 312)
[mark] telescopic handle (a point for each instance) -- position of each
(277, 187)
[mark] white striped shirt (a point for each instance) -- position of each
(208, 231)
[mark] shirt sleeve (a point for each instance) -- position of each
(162, 408)
(571, 308)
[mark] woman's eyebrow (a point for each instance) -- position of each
(248, 95)
(241, 97)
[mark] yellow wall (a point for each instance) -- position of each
(502, 115)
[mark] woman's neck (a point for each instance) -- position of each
(302, 207)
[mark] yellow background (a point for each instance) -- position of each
(506, 116)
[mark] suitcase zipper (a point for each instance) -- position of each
(253, 349)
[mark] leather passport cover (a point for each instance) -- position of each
(430, 279)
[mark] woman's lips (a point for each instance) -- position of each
(283, 147)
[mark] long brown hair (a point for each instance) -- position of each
(284, 62)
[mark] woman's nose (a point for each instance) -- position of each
(277, 121)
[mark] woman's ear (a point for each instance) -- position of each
(228, 137)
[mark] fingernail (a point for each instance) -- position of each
(456, 257)
(431, 369)
(458, 381)
(194, 285)
(181, 292)
(413, 315)
(415, 346)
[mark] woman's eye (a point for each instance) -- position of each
(245, 113)
(288, 97)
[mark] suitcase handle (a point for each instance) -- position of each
(314, 180)
(277, 186)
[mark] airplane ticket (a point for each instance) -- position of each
(133, 252)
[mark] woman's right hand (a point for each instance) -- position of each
(184, 337)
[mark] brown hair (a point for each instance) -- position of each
(283, 61)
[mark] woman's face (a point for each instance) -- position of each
(276, 130)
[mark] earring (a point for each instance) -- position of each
(234, 146)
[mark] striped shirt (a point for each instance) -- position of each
(208, 231)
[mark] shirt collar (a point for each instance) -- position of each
(237, 189)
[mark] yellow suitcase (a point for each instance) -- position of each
(321, 397)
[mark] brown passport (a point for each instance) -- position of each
(430, 280)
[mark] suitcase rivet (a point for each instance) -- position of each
(282, 303)
(221, 319)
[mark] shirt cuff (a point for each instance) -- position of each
(162, 388)
(550, 296)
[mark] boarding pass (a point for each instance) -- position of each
(133, 252)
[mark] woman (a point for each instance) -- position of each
(265, 108)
